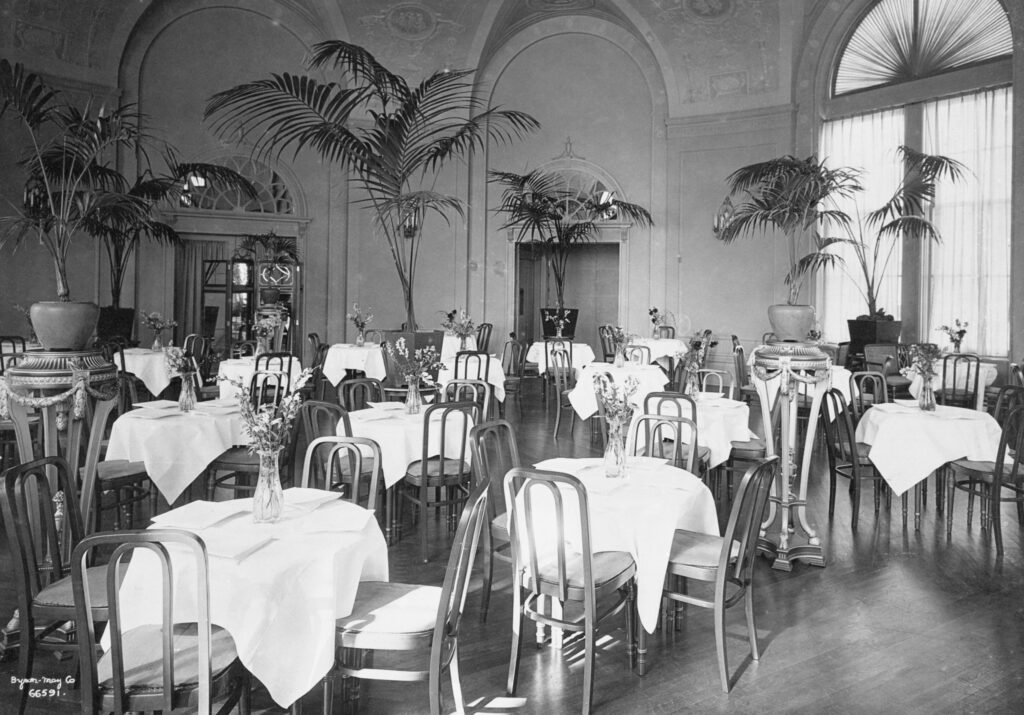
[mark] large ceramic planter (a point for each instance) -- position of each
(115, 322)
(550, 329)
(64, 326)
(873, 332)
(791, 323)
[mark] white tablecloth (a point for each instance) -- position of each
(638, 515)
(149, 366)
(651, 378)
(342, 357)
(989, 372)
(280, 602)
(495, 376)
(662, 347)
(241, 370)
(582, 354)
(907, 444)
(720, 422)
(400, 437)
(176, 447)
(452, 344)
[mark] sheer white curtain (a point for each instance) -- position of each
(970, 269)
(867, 142)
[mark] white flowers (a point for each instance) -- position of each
(615, 397)
(268, 425)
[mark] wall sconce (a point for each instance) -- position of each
(723, 217)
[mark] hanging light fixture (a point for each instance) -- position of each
(723, 217)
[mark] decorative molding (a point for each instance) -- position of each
(738, 122)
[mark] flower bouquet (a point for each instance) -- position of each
(924, 358)
(955, 333)
(156, 322)
(268, 427)
(458, 323)
(360, 320)
(614, 399)
(559, 317)
(693, 359)
(180, 365)
(264, 330)
(658, 319)
(416, 368)
(619, 341)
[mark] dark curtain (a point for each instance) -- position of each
(188, 279)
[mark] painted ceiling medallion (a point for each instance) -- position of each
(411, 21)
(709, 10)
(560, 4)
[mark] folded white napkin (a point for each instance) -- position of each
(308, 499)
(201, 514)
(156, 404)
(568, 465)
(386, 405)
(148, 414)
(370, 414)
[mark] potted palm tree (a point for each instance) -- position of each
(413, 132)
(121, 235)
(542, 211)
(797, 197)
(70, 188)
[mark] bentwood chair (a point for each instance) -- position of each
(867, 388)
(606, 332)
(441, 477)
(551, 345)
(560, 370)
(994, 482)
(960, 373)
(513, 364)
(666, 331)
(356, 393)
(329, 457)
(476, 391)
(744, 387)
(726, 561)
(662, 436)
(483, 336)
(40, 542)
(314, 342)
(389, 616)
(553, 559)
(472, 365)
(638, 354)
(243, 348)
(495, 451)
(846, 456)
(159, 667)
(675, 404)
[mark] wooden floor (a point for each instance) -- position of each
(897, 621)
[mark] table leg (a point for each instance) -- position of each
(917, 507)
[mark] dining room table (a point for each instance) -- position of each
(342, 357)
(650, 378)
(276, 588)
(582, 354)
(908, 443)
(663, 350)
(495, 375)
(176, 446)
(452, 345)
(637, 514)
(240, 370)
(150, 366)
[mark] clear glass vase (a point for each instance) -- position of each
(926, 398)
(620, 358)
(268, 499)
(413, 400)
(462, 342)
(158, 344)
(361, 339)
(262, 346)
(615, 450)
(187, 396)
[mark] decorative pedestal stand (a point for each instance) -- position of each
(783, 372)
(58, 386)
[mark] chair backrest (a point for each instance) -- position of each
(867, 388)
(663, 436)
(1016, 376)
(190, 343)
(483, 336)
(373, 335)
(843, 354)
(243, 348)
(560, 369)
(553, 344)
(605, 333)
(670, 403)
(447, 424)
(1010, 397)
(268, 387)
(356, 393)
(444, 645)
(666, 331)
(513, 359)
(112, 351)
(717, 381)
(322, 467)
(188, 547)
(277, 361)
(875, 355)
(1008, 468)
(840, 434)
(526, 491)
(638, 354)
(736, 560)
(495, 450)
(40, 532)
(739, 361)
(472, 365)
(317, 418)
(960, 372)
(463, 390)
(314, 342)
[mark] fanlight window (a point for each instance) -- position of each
(272, 195)
(901, 40)
(580, 186)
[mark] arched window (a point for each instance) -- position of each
(272, 195)
(934, 75)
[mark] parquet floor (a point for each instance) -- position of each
(897, 621)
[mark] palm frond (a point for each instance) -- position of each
(360, 64)
(811, 263)
(25, 93)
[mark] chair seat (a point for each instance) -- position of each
(611, 568)
(59, 593)
(749, 449)
(979, 470)
(383, 607)
(499, 529)
(112, 473)
(237, 459)
(143, 667)
(436, 469)
(690, 548)
(897, 381)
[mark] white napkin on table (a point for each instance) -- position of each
(201, 514)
